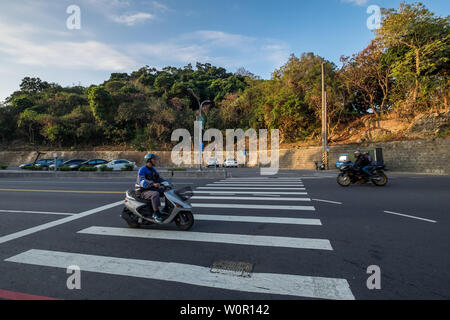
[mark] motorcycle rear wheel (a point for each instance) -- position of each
(382, 181)
(184, 221)
(343, 180)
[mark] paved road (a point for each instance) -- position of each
(303, 235)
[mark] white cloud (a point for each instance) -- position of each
(357, 2)
(132, 19)
(21, 46)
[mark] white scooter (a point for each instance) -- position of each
(176, 209)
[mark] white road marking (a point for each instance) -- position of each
(250, 192)
(249, 198)
(328, 201)
(239, 239)
(253, 185)
(58, 222)
(300, 221)
(413, 217)
(248, 188)
(37, 212)
(268, 283)
(250, 206)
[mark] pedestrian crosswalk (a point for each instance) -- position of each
(247, 201)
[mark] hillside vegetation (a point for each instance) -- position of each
(403, 76)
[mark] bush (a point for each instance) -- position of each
(105, 168)
(34, 168)
(3, 166)
(64, 168)
(128, 167)
(88, 169)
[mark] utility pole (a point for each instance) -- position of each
(324, 121)
(200, 119)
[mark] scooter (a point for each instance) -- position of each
(176, 209)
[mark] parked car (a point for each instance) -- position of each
(47, 165)
(343, 158)
(73, 163)
(37, 163)
(212, 162)
(89, 163)
(230, 163)
(117, 165)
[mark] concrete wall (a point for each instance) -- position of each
(422, 156)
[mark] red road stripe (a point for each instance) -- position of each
(12, 295)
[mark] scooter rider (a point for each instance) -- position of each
(148, 185)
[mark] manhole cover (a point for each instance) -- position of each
(234, 268)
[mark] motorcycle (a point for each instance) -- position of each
(176, 208)
(349, 175)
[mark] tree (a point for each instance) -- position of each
(33, 85)
(421, 42)
(102, 104)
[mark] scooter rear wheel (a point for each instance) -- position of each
(184, 220)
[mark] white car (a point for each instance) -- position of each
(117, 165)
(230, 163)
(212, 162)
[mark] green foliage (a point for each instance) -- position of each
(128, 167)
(64, 168)
(34, 168)
(87, 169)
(105, 168)
(3, 167)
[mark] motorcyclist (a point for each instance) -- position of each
(362, 163)
(148, 185)
(369, 164)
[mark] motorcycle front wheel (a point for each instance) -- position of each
(184, 220)
(343, 180)
(380, 180)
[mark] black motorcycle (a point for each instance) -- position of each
(351, 175)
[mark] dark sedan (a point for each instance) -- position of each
(89, 163)
(69, 163)
(37, 163)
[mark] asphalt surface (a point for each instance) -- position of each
(349, 229)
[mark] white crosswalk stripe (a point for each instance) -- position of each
(269, 283)
(251, 206)
(249, 198)
(238, 239)
(249, 192)
(248, 188)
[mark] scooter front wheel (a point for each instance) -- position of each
(184, 220)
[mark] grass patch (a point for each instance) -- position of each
(3, 166)
(33, 168)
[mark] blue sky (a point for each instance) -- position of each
(124, 35)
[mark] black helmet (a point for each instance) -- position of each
(150, 156)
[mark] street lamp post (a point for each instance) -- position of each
(200, 142)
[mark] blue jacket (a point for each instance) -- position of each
(147, 178)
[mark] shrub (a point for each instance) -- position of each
(128, 167)
(64, 168)
(105, 168)
(34, 168)
(3, 166)
(87, 169)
